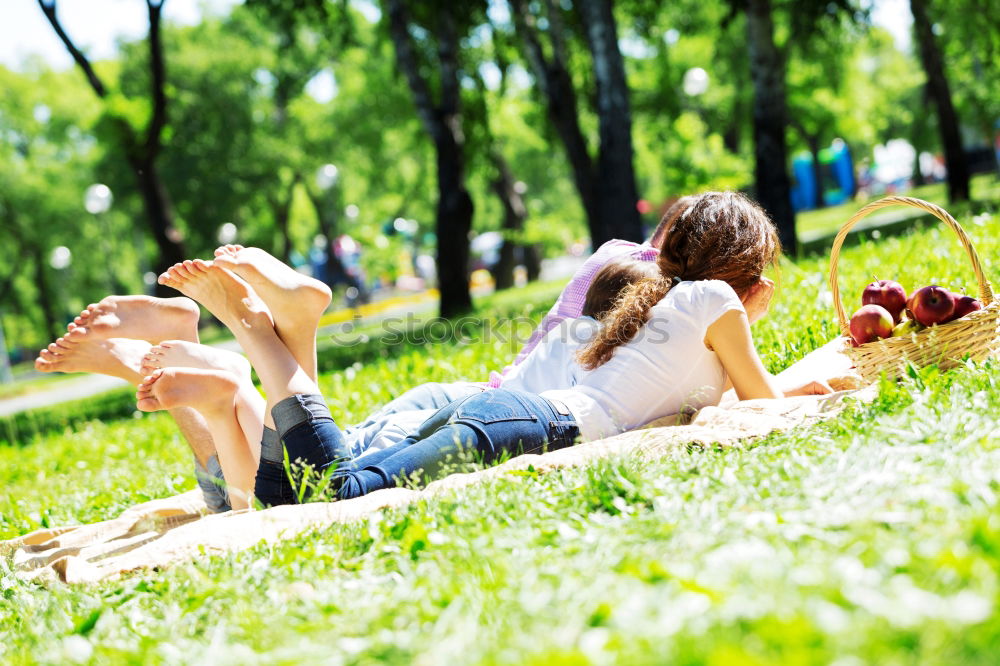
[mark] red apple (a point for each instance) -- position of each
(931, 305)
(888, 294)
(870, 323)
(964, 305)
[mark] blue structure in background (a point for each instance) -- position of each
(837, 170)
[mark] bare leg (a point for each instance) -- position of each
(296, 301)
(121, 357)
(138, 317)
(181, 354)
(237, 306)
(215, 394)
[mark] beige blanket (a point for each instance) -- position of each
(175, 529)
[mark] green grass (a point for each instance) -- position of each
(871, 538)
(824, 221)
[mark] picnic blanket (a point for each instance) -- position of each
(177, 529)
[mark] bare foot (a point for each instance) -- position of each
(208, 391)
(182, 354)
(118, 357)
(281, 286)
(224, 294)
(138, 317)
(297, 301)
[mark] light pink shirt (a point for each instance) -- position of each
(569, 305)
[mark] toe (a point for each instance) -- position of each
(147, 382)
(146, 402)
(179, 272)
(47, 365)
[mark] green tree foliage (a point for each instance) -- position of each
(135, 126)
(245, 133)
(47, 157)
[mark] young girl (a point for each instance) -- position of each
(553, 363)
(673, 343)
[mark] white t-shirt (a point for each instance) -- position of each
(552, 363)
(665, 369)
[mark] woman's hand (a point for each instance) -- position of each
(757, 300)
(817, 387)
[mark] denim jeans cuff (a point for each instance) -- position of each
(212, 484)
(297, 409)
(271, 449)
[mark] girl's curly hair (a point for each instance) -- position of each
(719, 236)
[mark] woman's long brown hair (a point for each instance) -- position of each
(720, 236)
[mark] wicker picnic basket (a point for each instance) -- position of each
(974, 336)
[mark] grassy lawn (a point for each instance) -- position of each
(871, 538)
(812, 223)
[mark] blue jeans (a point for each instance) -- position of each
(380, 430)
(489, 425)
(212, 484)
(400, 417)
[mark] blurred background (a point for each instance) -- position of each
(391, 146)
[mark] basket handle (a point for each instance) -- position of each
(985, 291)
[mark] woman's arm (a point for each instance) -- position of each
(730, 337)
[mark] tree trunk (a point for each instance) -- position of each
(533, 261)
(514, 214)
(616, 190)
(443, 122)
(454, 221)
(937, 86)
(335, 271)
(282, 209)
(45, 296)
(156, 202)
(918, 174)
(281, 216)
(767, 70)
(140, 152)
(556, 85)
